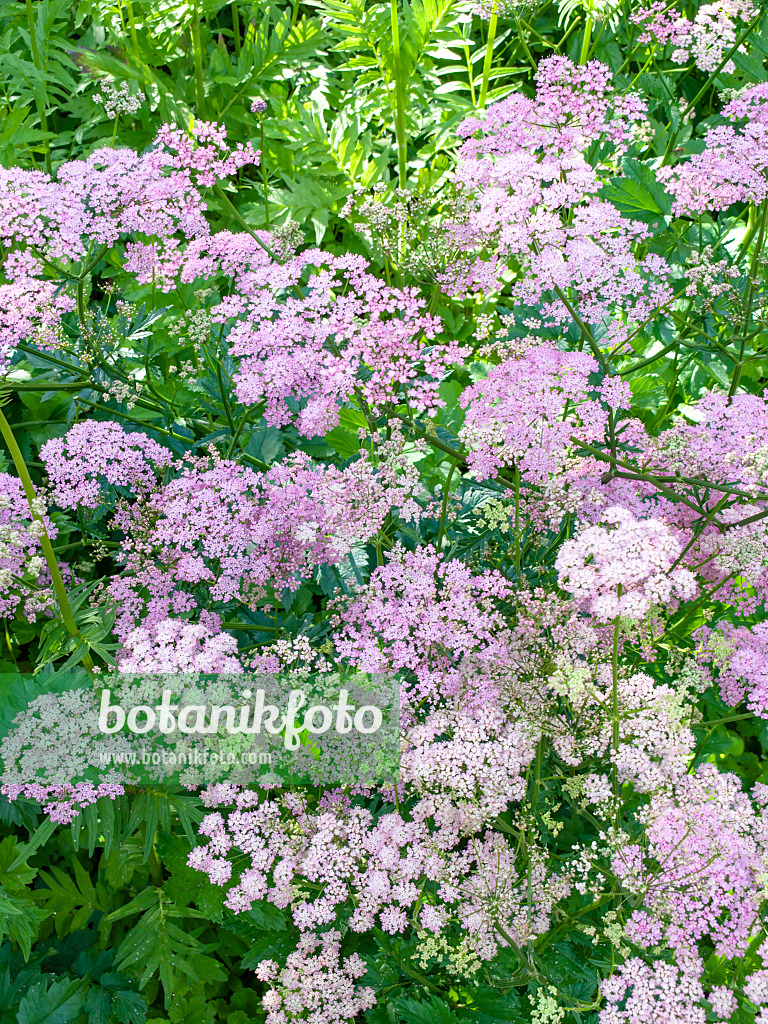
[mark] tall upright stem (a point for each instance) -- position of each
(399, 97)
(444, 510)
(132, 28)
(40, 104)
(264, 175)
(45, 541)
(488, 58)
(615, 731)
(236, 27)
(517, 527)
(754, 263)
(197, 56)
(587, 40)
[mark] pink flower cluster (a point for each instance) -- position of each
(173, 645)
(701, 867)
(652, 992)
(705, 40)
(476, 758)
(20, 554)
(31, 310)
(726, 444)
(380, 863)
(733, 164)
(526, 410)
(97, 450)
(624, 567)
(63, 803)
(740, 655)
(96, 202)
(203, 152)
(348, 334)
(242, 535)
(575, 106)
(424, 614)
(525, 167)
(315, 980)
(110, 193)
(234, 254)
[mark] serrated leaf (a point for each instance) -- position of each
(431, 1011)
(630, 197)
(58, 1003)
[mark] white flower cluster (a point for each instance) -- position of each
(118, 99)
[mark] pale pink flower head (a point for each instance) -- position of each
(174, 645)
(97, 451)
(624, 567)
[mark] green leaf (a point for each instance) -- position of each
(432, 1011)
(630, 197)
(65, 896)
(343, 438)
(184, 885)
(490, 1006)
(155, 945)
(265, 443)
(57, 1003)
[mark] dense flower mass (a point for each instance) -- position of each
(526, 163)
(526, 411)
(316, 979)
(243, 535)
(116, 191)
(88, 205)
(624, 567)
(21, 563)
(351, 335)
(30, 310)
(94, 451)
(732, 166)
(709, 39)
(172, 645)
(423, 614)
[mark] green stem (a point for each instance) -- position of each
(265, 176)
(534, 802)
(524, 44)
(399, 97)
(470, 75)
(431, 438)
(197, 54)
(236, 27)
(155, 866)
(537, 773)
(517, 526)
(40, 104)
(236, 435)
(752, 222)
(615, 705)
(585, 330)
(750, 298)
(673, 139)
(488, 59)
(596, 39)
(446, 495)
(45, 541)
(232, 210)
(248, 625)
(134, 34)
(586, 40)
(81, 304)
